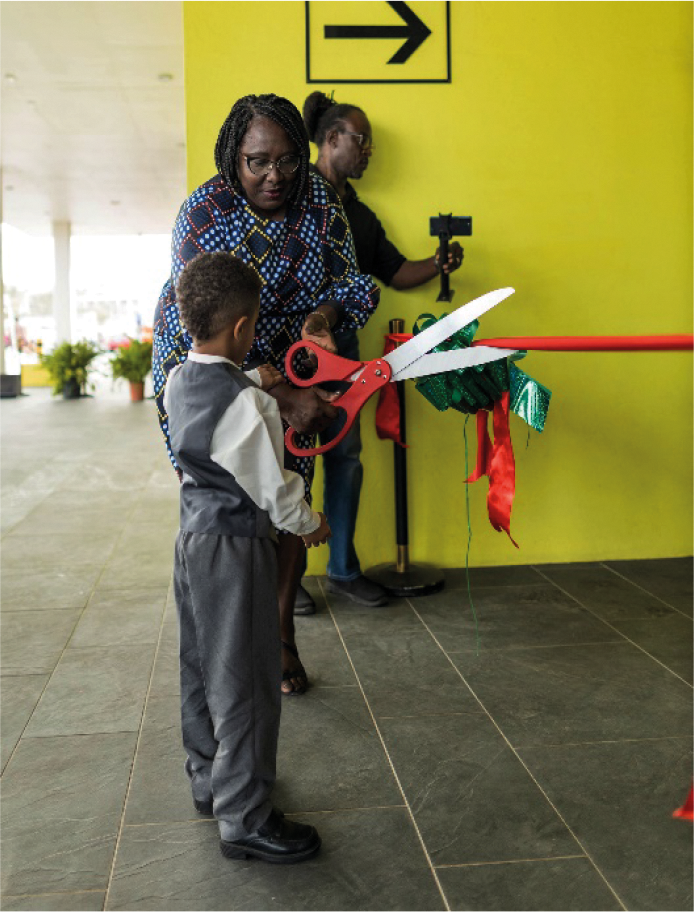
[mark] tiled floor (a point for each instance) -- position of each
(537, 773)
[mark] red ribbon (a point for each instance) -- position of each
(388, 408)
(496, 461)
(593, 343)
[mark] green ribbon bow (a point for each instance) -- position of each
(478, 387)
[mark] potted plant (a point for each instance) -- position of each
(68, 365)
(133, 362)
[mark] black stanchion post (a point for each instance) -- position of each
(404, 578)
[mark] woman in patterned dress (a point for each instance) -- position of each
(266, 208)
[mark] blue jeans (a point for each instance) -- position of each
(342, 474)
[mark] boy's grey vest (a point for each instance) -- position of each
(211, 499)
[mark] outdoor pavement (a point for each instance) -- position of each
(538, 771)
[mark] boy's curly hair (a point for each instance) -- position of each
(213, 290)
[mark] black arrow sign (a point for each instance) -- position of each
(414, 31)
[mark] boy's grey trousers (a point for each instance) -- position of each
(226, 596)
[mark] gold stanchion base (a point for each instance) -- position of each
(417, 579)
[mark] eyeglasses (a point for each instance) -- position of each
(286, 165)
(363, 139)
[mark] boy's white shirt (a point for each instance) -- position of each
(248, 442)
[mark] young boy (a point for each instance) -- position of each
(226, 435)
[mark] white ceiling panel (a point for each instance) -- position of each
(86, 120)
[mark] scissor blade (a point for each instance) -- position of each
(440, 362)
(423, 342)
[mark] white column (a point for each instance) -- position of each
(61, 296)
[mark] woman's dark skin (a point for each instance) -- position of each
(304, 409)
(341, 158)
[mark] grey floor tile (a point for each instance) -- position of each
(165, 677)
(603, 592)
(407, 674)
(618, 799)
(159, 792)
(85, 901)
(130, 568)
(560, 884)
(669, 579)
(342, 762)
(667, 638)
(49, 552)
(161, 508)
(180, 867)
(395, 617)
(484, 577)
(578, 693)
(56, 587)
(312, 584)
(322, 652)
(94, 690)
(146, 543)
(170, 616)
(538, 615)
(61, 808)
(19, 696)
(471, 797)
(67, 512)
(26, 487)
(163, 478)
(32, 641)
(120, 618)
(93, 475)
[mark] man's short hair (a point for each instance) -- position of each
(214, 290)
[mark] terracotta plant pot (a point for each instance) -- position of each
(137, 392)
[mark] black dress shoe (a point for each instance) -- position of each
(360, 590)
(304, 603)
(278, 841)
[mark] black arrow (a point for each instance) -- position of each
(414, 31)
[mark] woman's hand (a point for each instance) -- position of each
(308, 410)
(317, 329)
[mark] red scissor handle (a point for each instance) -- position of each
(328, 366)
(331, 367)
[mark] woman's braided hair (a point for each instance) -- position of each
(321, 114)
(285, 114)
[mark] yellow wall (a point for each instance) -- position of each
(566, 134)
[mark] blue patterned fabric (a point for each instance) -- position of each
(304, 261)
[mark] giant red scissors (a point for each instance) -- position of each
(408, 361)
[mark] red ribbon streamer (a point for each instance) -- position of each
(686, 812)
(388, 408)
(496, 461)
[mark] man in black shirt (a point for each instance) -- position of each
(343, 136)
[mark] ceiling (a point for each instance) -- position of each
(93, 115)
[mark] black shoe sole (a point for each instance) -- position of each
(336, 590)
(203, 807)
(232, 850)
